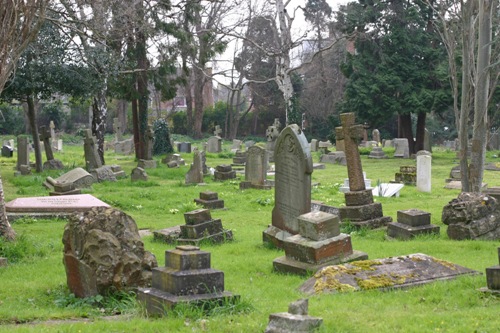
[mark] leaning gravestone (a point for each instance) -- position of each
(23, 152)
(51, 163)
(92, 158)
(292, 195)
(78, 177)
(103, 251)
(195, 173)
(402, 148)
(256, 169)
(472, 216)
(360, 209)
(187, 278)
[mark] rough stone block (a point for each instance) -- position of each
(414, 217)
(197, 216)
(223, 236)
(201, 229)
(404, 231)
(302, 249)
(209, 195)
(224, 168)
(361, 213)
(210, 204)
(190, 282)
(186, 257)
(286, 322)
(319, 225)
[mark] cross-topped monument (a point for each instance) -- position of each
(52, 132)
(218, 130)
(92, 158)
(351, 133)
(360, 209)
(117, 128)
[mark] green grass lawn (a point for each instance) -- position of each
(34, 296)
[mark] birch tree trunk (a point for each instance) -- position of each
(99, 114)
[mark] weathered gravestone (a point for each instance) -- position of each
(336, 157)
(148, 162)
(407, 175)
(195, 172)
(92, 158)
(472, 216)
(173, 160)
(402, 148)
(377, 153)
(7, 151)
(236, 145)
(187, 278)
(295, 320)
(224, 172)
(493, 278)
(51, 163)
(117, 128)
(201, 227)
(376, 136)
(103, 251)
(23, 152)
(360, 210)
(125, 147)
(411, 223)
(184, 147)
(314, 145)
(424, 168)
(256, 169)
(272, 133)
(389, 273)
(292, 195)
(78, 177)
(319, 243)
(214, 144)
(52, 206)
(210, 200)
(138, 174)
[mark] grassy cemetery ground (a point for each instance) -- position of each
(34, 296)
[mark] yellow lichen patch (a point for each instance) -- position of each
(445, 263)
(366, 265)
(376, 281)
(400, 278)
(331, 283)
(416, 259)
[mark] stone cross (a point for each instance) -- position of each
(117, 128)
(217, 131)
(52, 132)
(92, 158)
(45, 137)
(277, 124)
(150, 137)
(351, 133)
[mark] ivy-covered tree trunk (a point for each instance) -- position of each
(142, 80)
(6, 231)
(34, 132)
(199, 83)
(99, 114)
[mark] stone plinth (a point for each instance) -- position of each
(295, 320)
(493, 278)
(201, 227)
(224, 172)
(210, 200)
(146, 164)
(406, 175)
(361, 211)
(377, 153)
(319, 243)
(186, 278)
(411, 223)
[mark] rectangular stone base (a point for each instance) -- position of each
(403, 231)
(372, 223)
(288, 265)
(210, 204)
(226, 235)
(188, 282)
(246, 185)
(307, 250)
(361, 213)
(275, 236)
(158, 302)
(493, 278)
(201, 230)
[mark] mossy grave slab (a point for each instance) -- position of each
(394, 272)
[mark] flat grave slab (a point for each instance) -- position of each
(388, 273)
(52, 205)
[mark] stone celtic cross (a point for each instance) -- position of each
(217, 131)
(45, 137)
(351, 133)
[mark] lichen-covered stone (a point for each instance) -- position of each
(103, 250)
(472, 216)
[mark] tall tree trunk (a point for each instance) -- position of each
(121, 114)
(419, 143)
(34, 132)
(142, 80)
(406, 131)
(99, 114)
(478, 150)
(135, 123)
(6, 231)
(199, 83)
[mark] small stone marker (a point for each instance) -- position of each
(318, 244)
(64, 188)
(376, 136)
(256, 169)
(402, 148)
(210, 200)
(424, 162)
(240, 158)
(52, 206)
(314, 145)
(184, 147)
(173, 160)
(493, 278)
(377, 153)
(292, 195)
(360, 209)
(186, 278)
(124, 147)
(389, 273)
(117, 128)
(137, 174)
(336, 157)
(7, 151)
(295, 320)
(78, 177)
(146, 164)
(201, 227)
(224, 172)
(411, 223)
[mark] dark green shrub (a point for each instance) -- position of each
(54, 112)
(11, 119)
(179, 120)
(162, 143)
